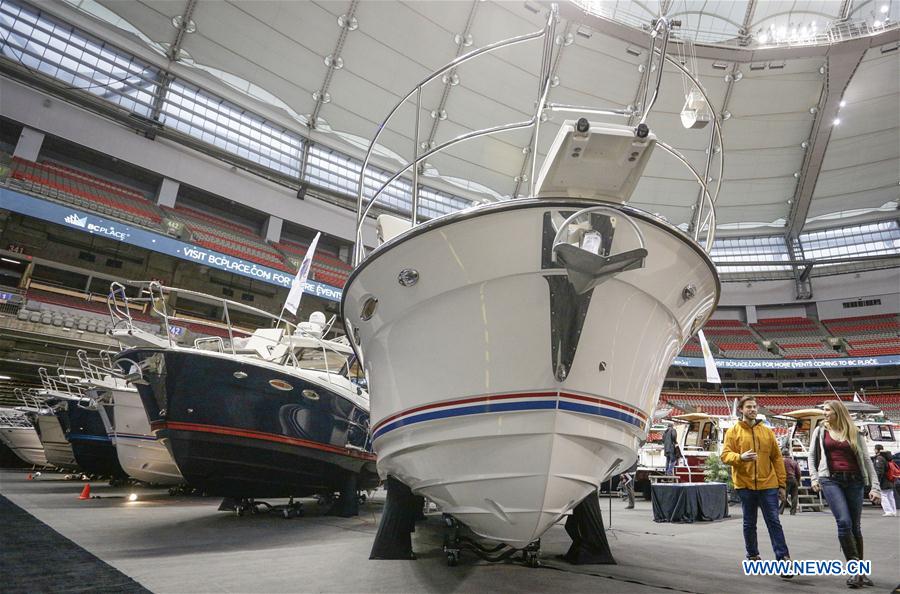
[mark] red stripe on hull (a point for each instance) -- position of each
(610, 403)
(463, 401)
(178, 426)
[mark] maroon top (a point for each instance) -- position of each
(791, 469)
(841, 457)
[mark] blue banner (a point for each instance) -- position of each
(774, 364)
(157, 242)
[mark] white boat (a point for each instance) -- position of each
(140, 453)
(17, 432)
(57, 449)
(869, 420)
(875, 426)
(514, 351)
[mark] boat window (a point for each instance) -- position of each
(693, 437)
(881, 432)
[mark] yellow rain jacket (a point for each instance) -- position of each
(767, 471)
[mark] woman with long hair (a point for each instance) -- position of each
(840, 467)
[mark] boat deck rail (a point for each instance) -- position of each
(13, 418)
(281, 342)
(704, 212)
(100, 368)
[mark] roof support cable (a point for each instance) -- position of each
(346, 24)
(528, 149)
(463, 41)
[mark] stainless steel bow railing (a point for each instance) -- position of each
(704, 216)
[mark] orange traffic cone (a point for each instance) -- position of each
(86, 492)
(28, 478)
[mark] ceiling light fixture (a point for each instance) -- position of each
(836, 121)
(5, 377)
(884, 8)
(842, 103)
(10, 260)
(876, 24)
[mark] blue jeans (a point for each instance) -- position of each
(845, 498)
(670, 465)
(767, 500)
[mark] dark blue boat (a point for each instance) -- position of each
(244, 428)
(94, 450)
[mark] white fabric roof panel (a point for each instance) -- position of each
(281, 46)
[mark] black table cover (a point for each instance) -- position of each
(689, 502)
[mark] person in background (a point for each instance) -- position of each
(757, 471)
(895, 459)
(627, 479)
(840, 467)
(792, 481)
(669, 447)
(881, 461)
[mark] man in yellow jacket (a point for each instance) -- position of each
(757, 471)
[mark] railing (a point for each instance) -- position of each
(659, 37)
(61, 386)
(98, 369)
(156, 297)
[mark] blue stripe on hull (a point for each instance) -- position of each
(467, 410)
(513, 407)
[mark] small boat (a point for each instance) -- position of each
(515, 350)
(57, 448)
(19, 435)
(141, 454)
(79, 418)
(269, 414)
(875, 426)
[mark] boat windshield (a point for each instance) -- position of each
(701, 435)
(315, 358)
(880, 432)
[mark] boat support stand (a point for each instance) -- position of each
(244, 506)
(455, 543)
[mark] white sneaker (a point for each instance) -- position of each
(888, 514)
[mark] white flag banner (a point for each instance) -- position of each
(712, 374)
(856, 397)
(296, 292)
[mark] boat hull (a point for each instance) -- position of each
(233, 433)
(24, 443)
(92, 447)
(529, 394)
(142, 455)
(57, 448)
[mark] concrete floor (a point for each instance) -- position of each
(182, 544)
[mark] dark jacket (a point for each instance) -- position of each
(791, 469)
(881, 465)
(669, 438)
